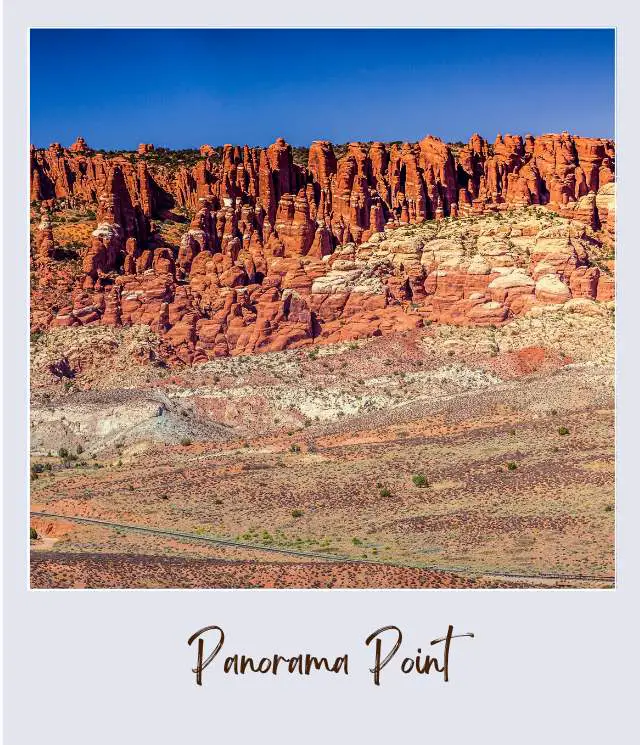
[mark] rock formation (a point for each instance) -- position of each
(277, 254)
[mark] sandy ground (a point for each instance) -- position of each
(511, 430)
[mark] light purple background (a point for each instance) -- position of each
(113, 667)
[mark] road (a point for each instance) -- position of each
(316, 555)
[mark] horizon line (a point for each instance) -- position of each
(332, 142)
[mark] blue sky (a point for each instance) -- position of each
(183, 88)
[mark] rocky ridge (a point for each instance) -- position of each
(271, 255)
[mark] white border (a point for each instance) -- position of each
(546, 666)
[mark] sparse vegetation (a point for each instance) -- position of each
(435, 418)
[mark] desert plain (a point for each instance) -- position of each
(432, 407)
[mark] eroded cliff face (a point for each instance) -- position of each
(270, 254)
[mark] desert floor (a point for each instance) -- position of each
(508, 432)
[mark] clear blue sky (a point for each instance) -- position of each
(183, 88)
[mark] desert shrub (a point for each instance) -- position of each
(384, 492)
(186, 441)
(563, 431)
(511, 466)
(608, 508)
(33, 534)
(79, 450)
(420, 480)
(37, 468)
(294, 448)
(300, 155)
(63, 453)
(357, 542)
(297, 513)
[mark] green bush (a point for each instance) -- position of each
(186, 441)
(512, 466)
(563, 431)
(63, 453)
(33, 534)
(420, 480)
(294, 449)
(384, 492)
(297, 513)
